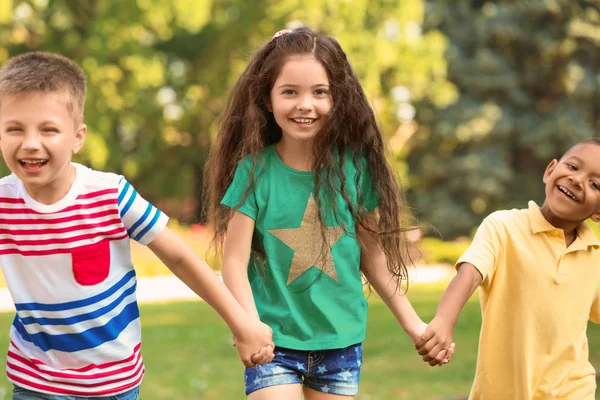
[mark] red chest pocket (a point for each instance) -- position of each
(91, 263)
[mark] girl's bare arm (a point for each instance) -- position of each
(238, 244)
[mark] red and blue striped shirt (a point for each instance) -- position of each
(68, 268)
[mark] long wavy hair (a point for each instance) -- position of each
(247, 127)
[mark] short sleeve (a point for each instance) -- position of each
(142, 220)
(483, 253)
(595, 311)
(369, 199)
(234, 197)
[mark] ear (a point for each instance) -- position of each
(596, 216)
(549, 169)
(79, 138)
(268, 104)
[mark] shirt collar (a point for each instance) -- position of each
(540, 224)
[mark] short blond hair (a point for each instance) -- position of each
(44, 72)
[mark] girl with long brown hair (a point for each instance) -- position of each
(299, 184)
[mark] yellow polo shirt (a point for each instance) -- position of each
(536, 298)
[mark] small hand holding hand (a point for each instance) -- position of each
(435, 343)
(255, 346)
(264, 356)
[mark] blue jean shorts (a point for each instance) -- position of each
(330, 371)
(20, 393)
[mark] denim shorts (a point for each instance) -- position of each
(20, 393)
(330, 371)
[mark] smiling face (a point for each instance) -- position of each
(573, 186)
(300, 98)
(38, 136)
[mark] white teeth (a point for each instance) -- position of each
(304, 120)
(33, 162)
(567, 192)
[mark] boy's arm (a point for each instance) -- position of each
(235, 260)
(438, 335)
(252, 336)
(373, 263)
(484, 251)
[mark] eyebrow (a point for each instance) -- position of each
(17, 122)
(318, 85)
(579, 160)
(575, 158)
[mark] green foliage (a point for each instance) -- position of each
(5, 11)
(436, 251)
(527, 74)
(159, 72)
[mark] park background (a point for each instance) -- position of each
(475, 98)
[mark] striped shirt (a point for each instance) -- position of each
(69, 271)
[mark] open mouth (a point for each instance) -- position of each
(567, 192)
(32, 165)
(304, 121)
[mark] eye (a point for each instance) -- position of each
(50, 129)
(289, 92)
(321, 92)
(13, 129)
(572, 167)
(595, 185)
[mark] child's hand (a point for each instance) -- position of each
(419, 331)
(264, 356)
(255, 344)
(444, 355)
(435, 345)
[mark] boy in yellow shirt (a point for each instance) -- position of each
(539, 272)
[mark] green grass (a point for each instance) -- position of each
(188, 354)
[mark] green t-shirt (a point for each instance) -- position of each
(313, 300)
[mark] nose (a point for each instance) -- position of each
(576, 180)
(31, 141)
(304, 104)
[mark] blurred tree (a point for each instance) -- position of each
(129, 108)
(111, 42)
(203, 65)
(5, 12)
(529, 87)
(159, 72)
(383, 41)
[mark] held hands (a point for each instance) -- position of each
(255, 344)
(435, 343)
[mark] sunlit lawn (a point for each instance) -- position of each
(188, 354)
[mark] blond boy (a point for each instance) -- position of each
(64, 248)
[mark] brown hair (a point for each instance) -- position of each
(44, 72)
(246, 128)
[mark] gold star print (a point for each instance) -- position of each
(307, 242)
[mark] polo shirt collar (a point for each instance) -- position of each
(540, 224)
